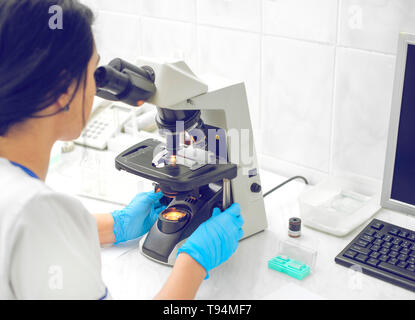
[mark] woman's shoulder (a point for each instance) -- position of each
(20, 189)
(54, 215)
(29, 202)
(17, 189)
(59, 208)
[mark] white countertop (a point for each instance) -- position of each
(130, 275)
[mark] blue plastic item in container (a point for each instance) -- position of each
(293, 268)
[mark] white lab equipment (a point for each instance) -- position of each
(337, 206)
(143, 122)
(105, 122)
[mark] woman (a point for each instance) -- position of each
(49, 243)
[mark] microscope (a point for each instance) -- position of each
(207, 159)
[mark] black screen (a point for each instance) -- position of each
(403, 183)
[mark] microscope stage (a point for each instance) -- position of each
(138, 160)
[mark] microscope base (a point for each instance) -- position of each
(172, 256)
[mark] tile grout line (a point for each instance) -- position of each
(260, 98)
(260, 33)
(197, 36)
(336, 46)
(293, 163)
(371, 51)
(333, 98)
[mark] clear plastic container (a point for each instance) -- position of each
(337, 206)
(299, 251)
(294, 258)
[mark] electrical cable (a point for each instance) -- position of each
(284, 183)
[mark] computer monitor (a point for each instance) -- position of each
(398, 191)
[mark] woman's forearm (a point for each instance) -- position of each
(184, 280)
(105, 224)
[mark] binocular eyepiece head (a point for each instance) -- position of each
(122, 81)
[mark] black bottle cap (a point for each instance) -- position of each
(295, 224)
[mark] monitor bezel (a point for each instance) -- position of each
(405, 39)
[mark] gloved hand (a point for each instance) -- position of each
(138, 217)
(216, 239)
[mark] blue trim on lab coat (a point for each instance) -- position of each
(26, 170)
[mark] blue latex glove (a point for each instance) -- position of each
(138, 217)
(215, 240)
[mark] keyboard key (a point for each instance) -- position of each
(386, 245)
(402, 257)
(377, 225)
(361, 257)
(375, 247)
(360, 249)
(396, 248)
(367, 238)
(377, 235)
(362, 243)
(393, 254)
(388, 238)
(405, 251)
(411, 237)
(375, 255)
(410, 267)
(384, 258)
(401, 264)
(397, 241)
(350, 254)
(406, 244)
(370, 232)
(384, 251)
(394, 231)
(373, 262)
(411, 260)
(378, 242)
(393, 261)
(396, 270)
(403, 234)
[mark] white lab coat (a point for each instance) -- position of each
(49, 246)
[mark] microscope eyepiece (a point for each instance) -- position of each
(122, 81)
(109, 79)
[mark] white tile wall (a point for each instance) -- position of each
(238, 14)
(170, 39)
(297, 96)
(240, 61)
(117, 35)
(363, 97)
(183, 10)
(301, 19)
(126, 6)
(375, 24)
(319, 73)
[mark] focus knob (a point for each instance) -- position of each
(256, 188)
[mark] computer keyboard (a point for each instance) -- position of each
(384, 251)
